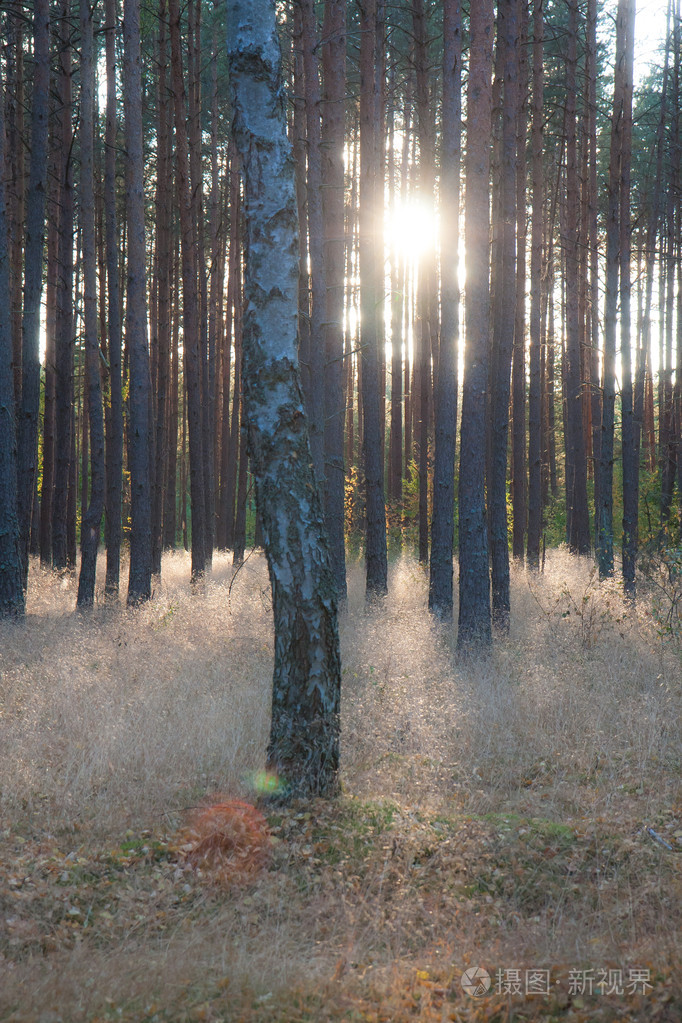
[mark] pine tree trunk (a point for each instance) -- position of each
(47, 484)
(139, 581)
(535, 322)
(27, 426)
(333, 138)
(64, 328)
(304, 738)
(190, 306)
(605, 516)
(92, 516)
(375, 546)
(424, 281)
(630, 428)
(164, 192)
(474, 581)
(316, 246)
(11, 575)
(114, 438)
(519, 503)
(576, 461)
(442, 529)
(504, 317)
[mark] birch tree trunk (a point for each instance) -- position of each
(304, 737)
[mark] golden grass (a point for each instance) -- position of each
(494, 812)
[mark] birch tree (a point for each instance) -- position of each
(304, 736)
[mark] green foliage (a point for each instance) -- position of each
(661, 566)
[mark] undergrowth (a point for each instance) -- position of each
(520, 811)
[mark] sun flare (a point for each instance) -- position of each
(412, 229)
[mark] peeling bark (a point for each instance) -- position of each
(304, 737)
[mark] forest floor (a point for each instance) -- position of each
(521, 814)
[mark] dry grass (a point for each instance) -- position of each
(494, 812)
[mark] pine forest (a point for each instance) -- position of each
(340, 510)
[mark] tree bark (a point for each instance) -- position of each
(504, 314)
(442, 528)
(316, 241)
(64, 330)
(576, 461)
(474, 581)
(27, 426)
(304, 738)
(114, 438)
(11, 574)
(92, 516)
(139, 580)
(190, 306)
(333, 140)
(164, 191)
(375, 540)
(535, 322)
(605, 516)
(519, 503)
(630, 427)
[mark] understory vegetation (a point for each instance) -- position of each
(518, 811)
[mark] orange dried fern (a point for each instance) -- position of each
(228, 842)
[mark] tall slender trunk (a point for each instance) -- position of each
(27, 426)
(226, 515)
(535, 322)
(114, 438)
(605, 517)
(92, 516)
(474, 581)
(504, 314)
(519, 503)
(64, 328)
(139, 580)
(375, 549)
(11, 575)
(333, 137)
(630, 427)
(576, 461)
(170, 503)
(47, 484)
(190, 305)
(442, 528)
(423, 353)
(593, 246)
(316, 245)
(197, 205)
(164, 185)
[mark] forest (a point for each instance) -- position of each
(340, 510)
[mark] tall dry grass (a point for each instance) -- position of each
(124, 714)
(123, 718)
